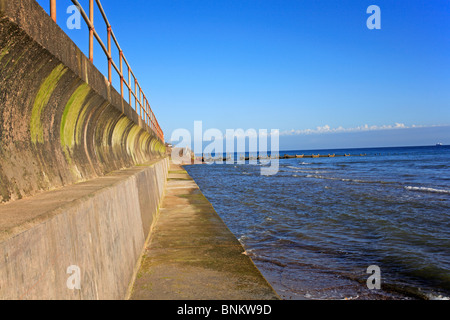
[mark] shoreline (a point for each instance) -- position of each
(192, 254)
(256, 203)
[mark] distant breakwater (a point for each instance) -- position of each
(286, 156)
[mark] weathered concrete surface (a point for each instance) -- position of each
(192, 255)
(61, 122)
(100, 226)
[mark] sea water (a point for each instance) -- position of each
(315, 227)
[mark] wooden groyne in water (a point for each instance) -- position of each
(286, 156)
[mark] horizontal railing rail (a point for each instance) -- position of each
(145, 110)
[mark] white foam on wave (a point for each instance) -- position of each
(356, 180)
(305, 170)
(309, 171)
(317, 176)
(425, 189)
(242, 238)
(301, 163)
(437, 297)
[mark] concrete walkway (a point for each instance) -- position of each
(192, 255)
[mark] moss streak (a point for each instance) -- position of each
(4, 52)
(131, 141)
(41, 101)
(71, 114)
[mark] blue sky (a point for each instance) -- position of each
(290, 65)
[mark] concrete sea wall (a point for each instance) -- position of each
(61, 122)
(81, 175)
(91, 234)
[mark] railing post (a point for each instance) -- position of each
(144, 105)
(148, 114)
(109, 55)
(145, 111)
(140, 103)
(53, 9)
(153, 122)
(135, 96)
(129, 84)
(91, 31)
(121, 72)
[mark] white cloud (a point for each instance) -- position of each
(362, 128)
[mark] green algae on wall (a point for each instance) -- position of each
(119, 131)
(103, 132)
(145, 142)
(5, 49)
(72, 113)
(41, 101)
(132, 143)
(159, 147)
(70, 132)
(153, 145)
(4, 52)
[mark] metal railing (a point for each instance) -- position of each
(145, 111)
